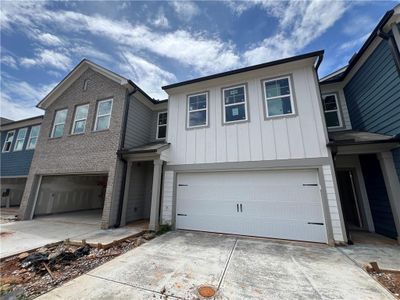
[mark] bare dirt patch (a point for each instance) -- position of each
(28, 275)
(390, 279)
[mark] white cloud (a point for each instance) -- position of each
(353, 44)
(48, 58)
(8, 60)
(18, 99)
(185, 10)
(160, 20)
(49, 39)
(147, 75)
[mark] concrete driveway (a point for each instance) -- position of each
(174, 265)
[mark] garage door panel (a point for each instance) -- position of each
(279, 204)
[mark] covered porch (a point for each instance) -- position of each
(143, 182)
(368, 184)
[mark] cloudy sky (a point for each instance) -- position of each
(157, 43)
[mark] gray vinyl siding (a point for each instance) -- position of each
(373, 94)
(139, 124)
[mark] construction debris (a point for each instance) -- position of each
(390, 279)
(29, 275)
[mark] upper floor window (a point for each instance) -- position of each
(331, 110)
(59, 123)
(19, 143)
(162, 125)
(235, 104)
(278, 97)
(33, 136)
(8, 141)
(197, 110)
(103, 115)
(80, 117)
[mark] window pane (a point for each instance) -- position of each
(277, 87)
(22, 133)
(162, 130)
(279, 106)
(34, 131)
(81, 112)
(332, 119)
(162, 119)
(79, 126)
(235, 113)
(102, 122)
(7, 146)
(197, 102)
(58, 130)
(10, 137)
(32, 143)
(197, 118)
(18, 145)
(330, 102)
(60, 116)
(235, 95)
(104, 107)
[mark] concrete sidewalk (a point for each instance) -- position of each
(177, 263)
(23, 236)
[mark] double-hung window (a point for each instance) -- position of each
(33, 136)
(197, 110)
(80, 117)
(235, 104)
(59, 123)
(19, 143)
(331, 110)
(103, 115)
(278, 97)
(8, 141)
(162, 125)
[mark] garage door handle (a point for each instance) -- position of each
(241, 208)
(310, 184)
(237, 207)
(182, 215)
(315, 223)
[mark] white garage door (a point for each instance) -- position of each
(278, 204)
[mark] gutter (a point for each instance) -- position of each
(119, 154)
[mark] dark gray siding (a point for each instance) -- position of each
(373, 94)
(15, 163)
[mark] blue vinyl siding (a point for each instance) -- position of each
(373, 94)
(377, 195)
(15, 163)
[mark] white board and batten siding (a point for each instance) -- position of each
(292, 137)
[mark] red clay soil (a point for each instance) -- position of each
(390, 280)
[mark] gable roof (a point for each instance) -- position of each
(341, 73)
(78, 71)
(318, 54)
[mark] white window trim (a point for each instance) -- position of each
(337, 110)
(20, 139)
(5, 141)
(232, 104)
(30, 138)
(56, 124)
(78, 120)
(280, 96)
(196, 110)
(158, 126)
(98, 115)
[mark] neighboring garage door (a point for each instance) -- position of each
(278, 204)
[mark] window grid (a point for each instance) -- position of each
(244, 102)
(8, 142)
(19, 143)
(76, 120)
(33, 136)
(99, 115)
(161, 125)
(197, 110)
(290, 95)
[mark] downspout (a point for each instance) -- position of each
(161, 190)
(389, 38)
(124, 161)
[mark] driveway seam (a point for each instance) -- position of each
(134, 286)
(227, 263)
(305, 276)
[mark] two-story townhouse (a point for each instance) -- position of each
(362, 108)
(248, 154)
(18, 142)
(93, 118)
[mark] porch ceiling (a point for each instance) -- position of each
(146, 152)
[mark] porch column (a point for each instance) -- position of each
(155, 195)
(126, 192)
(392, 186)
